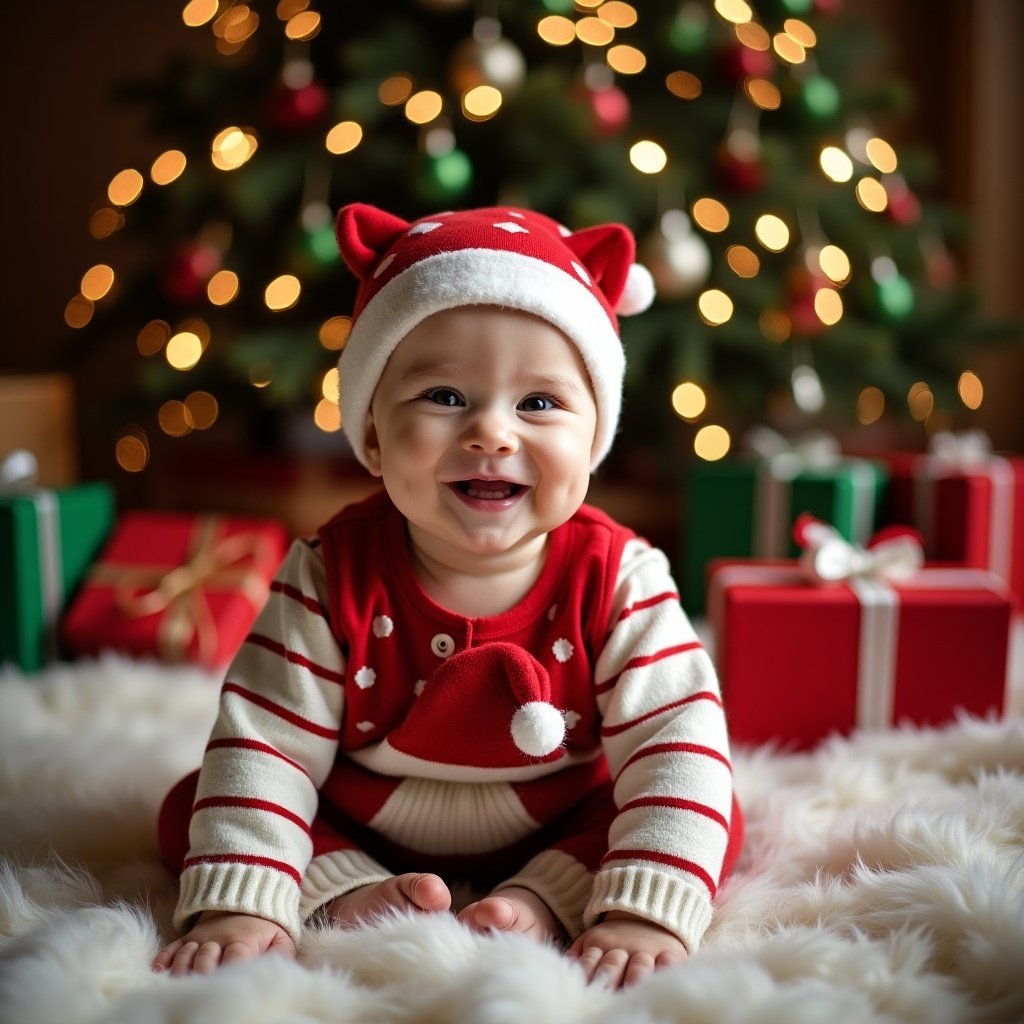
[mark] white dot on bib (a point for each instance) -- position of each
(572, 719)
(365, 677)
(424, 228)
(512, 227)
(365, 726)
(419, 687)
(562, 650)
(382, 626)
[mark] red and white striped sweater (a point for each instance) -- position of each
(345, 676)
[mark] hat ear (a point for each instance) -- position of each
(607, 252)
(364, 234)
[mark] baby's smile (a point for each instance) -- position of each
(487, 490)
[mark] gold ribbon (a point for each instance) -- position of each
(180, 594)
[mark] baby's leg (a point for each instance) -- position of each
(514, 910)
(414, 891)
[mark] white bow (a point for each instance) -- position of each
(829, 558)
(815, 449)
(962, 451)
(19, 472)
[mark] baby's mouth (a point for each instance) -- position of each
(488, 490)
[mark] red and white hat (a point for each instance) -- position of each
(500, 256)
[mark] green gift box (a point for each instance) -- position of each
(745, 506)
(48, 540)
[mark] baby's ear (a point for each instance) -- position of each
(371, 445)
(364, 234)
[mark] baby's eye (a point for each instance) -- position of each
(443, 396)
(537, 403)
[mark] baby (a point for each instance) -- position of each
(470, 675)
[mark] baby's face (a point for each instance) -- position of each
(482, 429)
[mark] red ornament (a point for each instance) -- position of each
(610, 110)
(828, 6)
(297, 110)
(802, 288)
(904, 207)
(739, 173)
(188, 270)
(739, 62)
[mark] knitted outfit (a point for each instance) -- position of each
(574, 745)
(348, 709)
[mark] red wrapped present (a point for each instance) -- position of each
(853, 637)
(967, 502)
(175, 586)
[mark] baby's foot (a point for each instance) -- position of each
(514, 910)
(420, 892)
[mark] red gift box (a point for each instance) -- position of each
(799, 660)
(967, 502)
(178, 587)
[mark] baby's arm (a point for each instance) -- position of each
(621, 950)
(220, 938)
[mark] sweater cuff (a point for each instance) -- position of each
(562, 882)
(238, 889)
(333, 874)
(664, 899)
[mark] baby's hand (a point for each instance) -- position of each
(221, 938)
(622, 950)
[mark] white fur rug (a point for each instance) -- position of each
(883, 880)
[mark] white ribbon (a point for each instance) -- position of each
(781, 461)
(19, 472)
(968, 453)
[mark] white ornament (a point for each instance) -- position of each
(562, 650)
(538, 728)
(638, 293)
(382, 626)
(365, 726)
(677, 256)
(365, 677)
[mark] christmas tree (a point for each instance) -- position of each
(803, 276)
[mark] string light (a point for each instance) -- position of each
(167, 167)
(327, 416)
(753, 36)
(333, 333)
(183, 350)
(710, 214)
(222, 288)
(594, 32)
(836, 164)
(174, 418)
(303, 26)
(422, 107)
(788, 49)
(743, 262)
(394, 91)
(481, 102)
(626, 60)
(282, 293)
(199, 12)
(125, 187)
(648, 157)
(152, 338)
(775, 325)
(828, 305)
(881, 155)
(834, 264)
(970, 389)
(232, 147)
(715, 307)
(712, 443)
(920, 401)
(683, 84)
(105, 221)
(800, 32)
(762, 93)
(78, 312)
(556, 30)
(871, 195)
(203, 409)
(689, 400)
(344, 137)
(870, 406)
(287, 9)
(772, 232)
(132, 449)
(736, 11)
(618, 14)
(97, 282)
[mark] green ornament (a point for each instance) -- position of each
(895, 297)
(688, 32)
(558, 6)
(797, 6)
(446, 176)
(320, 243)
(820, 97)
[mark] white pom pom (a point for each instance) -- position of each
(638, 293)
(538, 728)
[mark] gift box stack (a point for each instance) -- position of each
(913, 626)
(77, 579)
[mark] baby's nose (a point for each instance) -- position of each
(491, 431)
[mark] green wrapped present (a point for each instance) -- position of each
(745, 506)
(48, 540)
